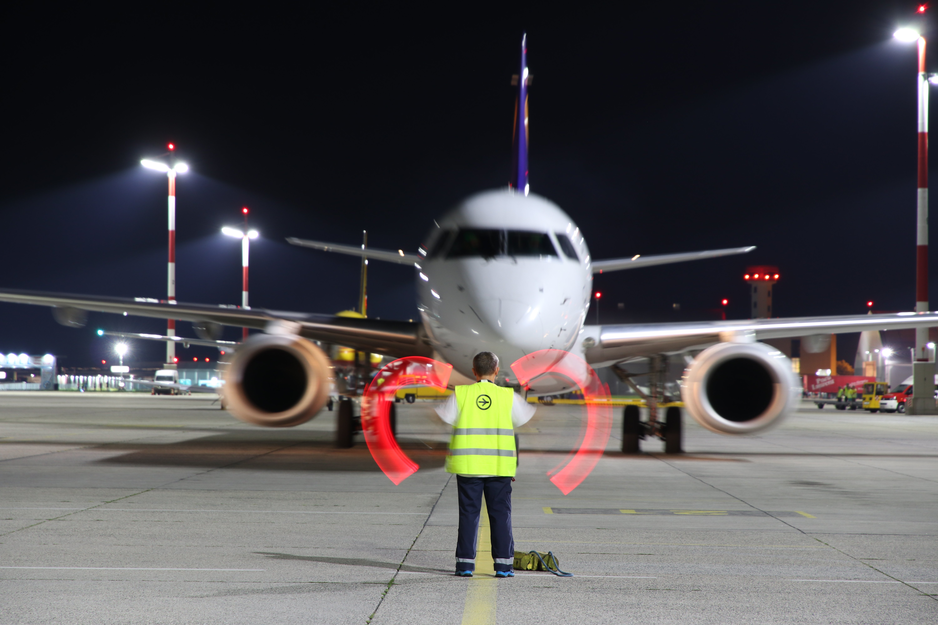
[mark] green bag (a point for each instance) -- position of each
(534, 561)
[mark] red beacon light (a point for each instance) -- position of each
(922, 8)
(171, 146)
(206, 359)
(725, 301)
(598, 294)
(746, 277)
(103, 362)
(175, 359)
(245, 210)
(775, 276)
(869, 304)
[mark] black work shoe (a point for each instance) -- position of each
(464, 573)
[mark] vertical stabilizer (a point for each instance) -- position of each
(519, 174)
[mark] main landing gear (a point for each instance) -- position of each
(634, 429)
(348, 424)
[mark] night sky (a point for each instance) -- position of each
(674, 127)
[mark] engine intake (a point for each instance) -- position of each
(739, 388)
(277, 381)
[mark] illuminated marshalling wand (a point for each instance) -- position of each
(177, 168)
(245, 236)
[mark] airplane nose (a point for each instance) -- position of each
(517, 323)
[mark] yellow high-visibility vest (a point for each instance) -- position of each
(483, 440)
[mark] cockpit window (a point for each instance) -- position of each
(522, 243)
(442, 242)
(484, 243)
(567, 246)
(493, 243)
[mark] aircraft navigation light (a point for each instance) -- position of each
(155, 165)
(906, 35)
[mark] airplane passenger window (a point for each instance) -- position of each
(484, 243)
(522, 243)
(567, 246)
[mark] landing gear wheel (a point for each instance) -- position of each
(631, 429)
(673, 431)
(345, 427)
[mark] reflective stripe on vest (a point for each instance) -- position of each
(483, 441)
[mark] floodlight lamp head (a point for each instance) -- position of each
(121, 349)
(180, 168)
(906, 35)
(155, 165)
(253, 234)
(232, 232)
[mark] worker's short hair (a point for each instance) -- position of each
(485, 363)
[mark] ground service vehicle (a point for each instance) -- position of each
(165, 375)
(895, 401)
(872, 395)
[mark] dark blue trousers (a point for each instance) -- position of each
(497, 491)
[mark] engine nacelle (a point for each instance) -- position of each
(277, 381)
(739, 388)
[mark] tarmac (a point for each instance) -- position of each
(127, 508)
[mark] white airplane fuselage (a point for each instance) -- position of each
(498, 276)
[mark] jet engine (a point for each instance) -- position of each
(739, 388)
(277, 380)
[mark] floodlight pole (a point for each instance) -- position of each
(171, 270)
(245, 250)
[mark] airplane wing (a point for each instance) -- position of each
(182, 388)
(386, 255)
(606, 345)
(393, 338)
(186, 342)
(637, 261)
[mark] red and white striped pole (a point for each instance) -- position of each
(921, 230)
(170, 171)
(245, 248)
(171, 274)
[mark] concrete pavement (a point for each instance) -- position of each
(125, 508)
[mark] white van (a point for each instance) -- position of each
(165, 375)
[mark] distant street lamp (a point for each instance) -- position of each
(245, 236)
(177, 168)
(121, 349)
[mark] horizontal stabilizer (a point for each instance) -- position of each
(354, 250)
(637, 261)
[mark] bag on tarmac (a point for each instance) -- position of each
(534, 561)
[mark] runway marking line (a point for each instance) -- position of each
(547, 510)
(677, 512)
(482, 592)
(805, 514)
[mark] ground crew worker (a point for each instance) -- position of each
(851, 393)
(841, 394)
(482, 454)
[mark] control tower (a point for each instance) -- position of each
(761, 279)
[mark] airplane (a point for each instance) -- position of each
(508, 271)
